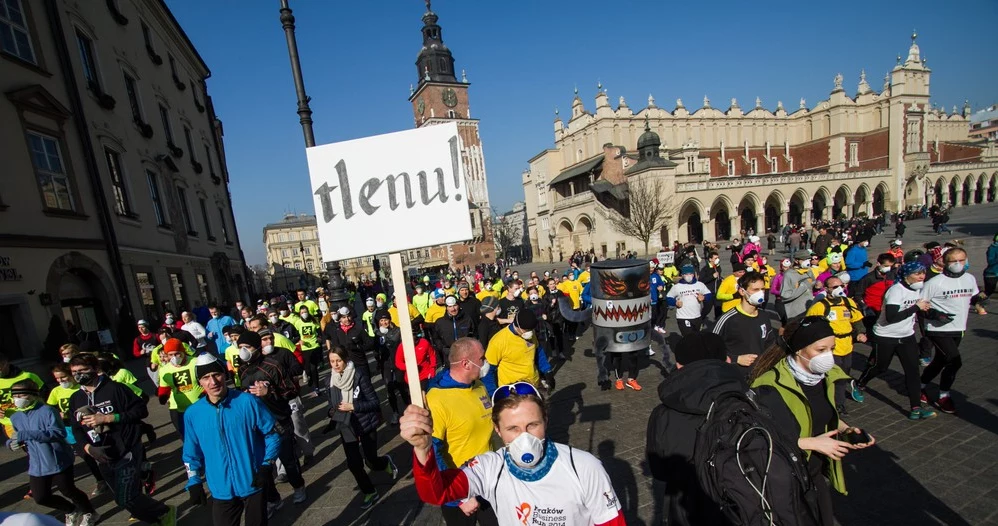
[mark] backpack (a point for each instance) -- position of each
(749, 469)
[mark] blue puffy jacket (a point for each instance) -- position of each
(41, 429)
(225, 443)
(856, 260)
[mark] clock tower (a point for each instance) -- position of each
(440, 97)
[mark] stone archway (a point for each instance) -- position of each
(818, 204)
(689, 215)
(938, 191)
(879, 199)
(82, 292)
(565, 238)
(966, 196)
(990, 197)
(720, 213)
(798, 202)
(979, 190)
(861, 200)
(840, 202)
(584, 228)
(954, 189)
(748, 214)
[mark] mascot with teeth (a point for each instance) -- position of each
(621, 311)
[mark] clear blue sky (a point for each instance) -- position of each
(524, 58)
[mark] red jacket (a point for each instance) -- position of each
(141, 341)
(426, 358)
(873, 296)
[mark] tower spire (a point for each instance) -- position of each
(435, 62)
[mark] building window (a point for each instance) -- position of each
(914, 142)
(452, 114)
(164, 115)
(133, 98)
(293, 236)
(51, 172)
(853, 154)
(297, 265)
(225, 229)
(426, 253)
(121, 205)
(542, 196)
(754, 166)
(157, 198)
(203, 286)
(190, 144)
(146, 37)
(774, 167)
(308, 251)
(691, 164)
(294, 250)
(86, 48)
(731, 167)
(285, 253)
(177, 284)
(282, 237)
(207, 156)
(545, 224)
(146, 287)
(204, 217)
(309, 265)
(14, 35)
(186, 211)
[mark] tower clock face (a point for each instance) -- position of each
(421, 105)
(450, 98)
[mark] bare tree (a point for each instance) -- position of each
(504, 233)
(648, 209)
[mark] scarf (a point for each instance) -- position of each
(344, 382)
(802, 375)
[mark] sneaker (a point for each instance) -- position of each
(391, 468)
(619, 384)
(945, 404)
(169, 518)
(27, 496)
(924, 362)
(924, 398)
(99, 489)
(71, 518)
(299, 496)
(273, 507)
(369, 500)
(633, 384)
(89, 519)
(149, 482)
(281, 478)
(925, 413)
(856, 394)
(915, 414)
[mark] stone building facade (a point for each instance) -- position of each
(726, 171)
(115, 203)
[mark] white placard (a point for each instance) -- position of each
(665, 258)
(390, 192)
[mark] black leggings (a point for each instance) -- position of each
(947, 359)
(359, 451)
(395, 391)
(177, 418)
(989, 285)
(907, 350)
(310, 360)
(624, 360)
(844, 363)
(41, 491)
(229, 512)
(689, 326)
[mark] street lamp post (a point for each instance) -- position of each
(337, 292)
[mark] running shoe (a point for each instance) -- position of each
(169, 518)
(369, 500)
(273, 507)
(633, 384)
(924, 413)
(299, 496)
(71, 518)
(281, 478)
(27, 496)
(619, 384)
(856, 394)
(924, 397)
(945, 404)
(149, 481)
(89, 519)
(391, 468)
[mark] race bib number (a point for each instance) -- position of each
(832, 316)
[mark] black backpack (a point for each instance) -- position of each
(755, 474)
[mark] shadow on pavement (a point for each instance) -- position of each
(882, 492)
(625, 485)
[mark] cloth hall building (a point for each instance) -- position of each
(739, 169)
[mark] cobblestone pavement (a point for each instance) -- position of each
(942, 471)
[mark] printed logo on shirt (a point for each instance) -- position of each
(765, 330)
(183, 381)
(957, 293)
(523, 513)
(611, 500)
(832, 316)
(486, 402)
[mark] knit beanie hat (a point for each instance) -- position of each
(207, 363)
(249, 338)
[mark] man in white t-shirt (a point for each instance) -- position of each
(688, 297)
(532, 480)
(197, 330)
(950, 295)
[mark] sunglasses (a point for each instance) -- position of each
(518, 388)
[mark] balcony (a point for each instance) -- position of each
(575, 200)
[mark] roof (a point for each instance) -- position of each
(577, 170)
(619, 191)
(290, 221)
(989, 114)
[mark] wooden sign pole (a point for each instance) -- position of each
(405, 325)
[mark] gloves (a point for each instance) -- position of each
(14, 445)
(264, 475)
(196, 495)
(99, 453)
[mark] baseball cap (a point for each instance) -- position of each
(451, 301)
(489, 304)
(207, 363)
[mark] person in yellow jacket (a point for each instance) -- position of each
(421, 300)
(727, 291)
(484, 291)
(846, 320)
(437, 309)
(584, 277)
(10, 374)
(572, 289)
(669, 272)
(415, 317)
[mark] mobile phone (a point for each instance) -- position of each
(853, 437)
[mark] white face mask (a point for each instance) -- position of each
(380, 304)
(822, 363)
(839, 292)
(528, 335)
(66, 359)
(267, 349)
(66, 385)
(305, 316)
(688, 278)
(383, 330)
(805, 264)
(917, 285)
(885, 270)
(169, 320)
(483, 370)
(757, 298)
(716, 261)
(273, 320)
(176, 361)
(955, 267)
(245, 354)
(534, 297)
(526, 450)
(22, 403)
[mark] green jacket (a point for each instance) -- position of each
(780, 379)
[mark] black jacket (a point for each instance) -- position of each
(366, 414)
(388, 344)
(686, 396)
(282, 387)
(289, 331)
(448, 329)
(473, 308)
(285, 357)
(487, 329)
(355, 340)
(110, 397)
(707, 277)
